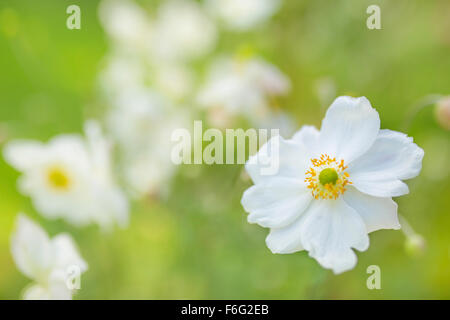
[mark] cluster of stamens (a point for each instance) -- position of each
(327, 177)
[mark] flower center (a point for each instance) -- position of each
(58, 179)
(327, 177)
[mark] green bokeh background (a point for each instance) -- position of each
(197, 243)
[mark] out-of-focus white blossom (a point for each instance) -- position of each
(126, 72)
(241, 15)
(142, 122)
(50, 263)
(126, 23)
(121, 72)
(173, 80)
(326, 90)
(70, 177)
(182, 31)
(278, 120)
(242, 87)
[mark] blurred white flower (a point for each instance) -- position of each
(173, 80)
(278, 120)
(121, 72)
(48, 262)
(241, 15)
(126, 23)
(142, 122)
(70, 177)
(126, 72)
(326, 90)
(242, 87)
(182, 31)
(333, 186)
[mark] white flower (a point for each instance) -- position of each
(121, 72)
(182, 30)
(142, 122)
(70, 177)
(48, 262)
(241, 15)
(242, 87)
(126, 23)
(333, 187)
(174, 80)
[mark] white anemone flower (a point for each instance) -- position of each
(53, 264)
(142, 122)
(333, 186)
(70, 178)
(242, 15)
(242, 87)
(182, 31)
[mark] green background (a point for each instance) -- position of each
(197, 243)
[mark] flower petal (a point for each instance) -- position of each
(23, 154)
(329, 231)
(278, 158)
(31, 249)
(36, 292)
(66, 253)
(287, 239)
(377, 213)
(391, 158)
(276, 203)
(349, 128)
(309, 137)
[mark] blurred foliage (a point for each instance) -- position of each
(197, 243)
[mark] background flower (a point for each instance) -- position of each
(46, 261)
(70, 178)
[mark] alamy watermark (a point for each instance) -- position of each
(374, 20)
(74, 20)
(374, 280)
(237, 142)
(73, 277)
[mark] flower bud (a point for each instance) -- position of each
(442, 112)
(415, 245)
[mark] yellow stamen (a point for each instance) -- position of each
(58, 178)
(327, 177)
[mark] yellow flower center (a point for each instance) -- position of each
(58, 178)
(327, 177)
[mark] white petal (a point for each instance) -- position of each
(392, 157)
(277, 202)
(31, 249)
(58, 284)
(349, 128)
(329, 231)
(377, 213)
(55, 288)
(288, 158)
(66, 253)
(286, 240)
(36, 292)
(381, 188)
(309, 137)
(22, 154)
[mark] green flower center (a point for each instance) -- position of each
(328, 175)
